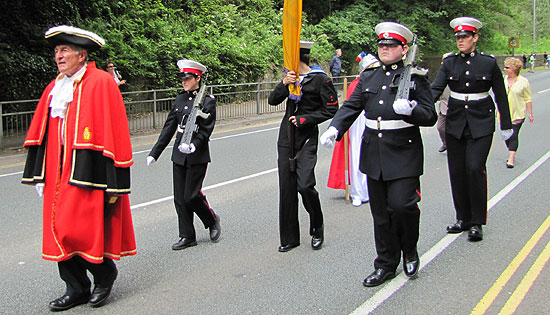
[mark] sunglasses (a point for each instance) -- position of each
(110, 66)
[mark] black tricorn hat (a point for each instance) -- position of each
(64, 34)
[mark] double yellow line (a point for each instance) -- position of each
(521, 290)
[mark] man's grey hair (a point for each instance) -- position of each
(80, 49)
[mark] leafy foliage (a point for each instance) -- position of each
(238, 40)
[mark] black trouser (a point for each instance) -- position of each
(73, 272)
(396, 217)
(290, 184)
(513, 142)
(466, 158)
(189, 199)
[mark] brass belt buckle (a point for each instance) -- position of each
(466, 97)
(378, 124)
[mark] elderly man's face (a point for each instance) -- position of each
(68, 59)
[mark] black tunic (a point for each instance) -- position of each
(182, 107)
(472, 73)
(319, 102)
(388, 154)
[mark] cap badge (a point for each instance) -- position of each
(459, 28)
(386, 34)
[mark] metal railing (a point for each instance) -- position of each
(148, 110)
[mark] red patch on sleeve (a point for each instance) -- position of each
(302, 121)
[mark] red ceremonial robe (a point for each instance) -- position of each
(337, 173)
(80, 164)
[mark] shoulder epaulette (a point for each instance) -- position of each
(450, 55)
(488, 55)
(371, 68)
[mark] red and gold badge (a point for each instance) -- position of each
(86, 134)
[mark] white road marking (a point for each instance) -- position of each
(10, 174)
(220, 138)
(391, 287)
(232, 181)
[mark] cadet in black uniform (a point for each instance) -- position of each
(470, 124)
(318, 103)
(392, 152)
(189, 161)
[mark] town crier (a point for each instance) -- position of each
(79, 158)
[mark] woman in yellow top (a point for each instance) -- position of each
(519, 98)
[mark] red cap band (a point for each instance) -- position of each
(192, 70)
(394, 36)
(465, 28)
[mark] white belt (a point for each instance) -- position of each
(469, 96)
(386, 124)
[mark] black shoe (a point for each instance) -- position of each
(378, 277)
(317, 238)
(442, 149)
(287, 247)
(65, 302)
(411, 262)
(476, 233)
(101, 291)
(458, 227)
(184, 243)
(215, 230)
(508, 165)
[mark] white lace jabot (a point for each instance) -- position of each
(62, 93)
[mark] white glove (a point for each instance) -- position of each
(186, 149)
(403, 107)
(506, 134)
(150, 160)
(39, 189)
(328, 138)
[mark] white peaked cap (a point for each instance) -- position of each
(463, 24)
(189, 67)
(388, 31)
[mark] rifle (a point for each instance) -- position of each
(191, 125)
(405, 79)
